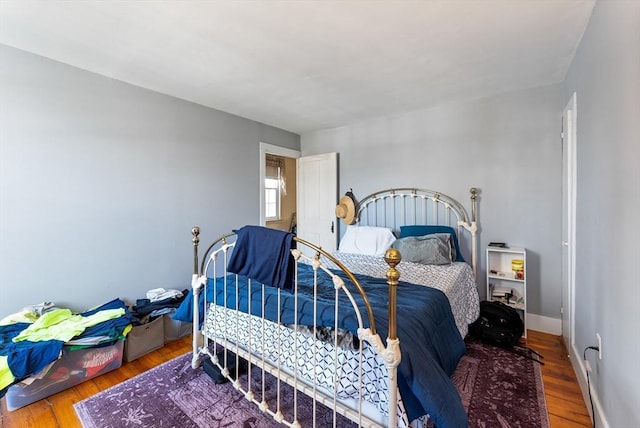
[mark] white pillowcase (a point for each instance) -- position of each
(367, 240)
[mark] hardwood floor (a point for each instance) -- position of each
(565, 404)
(564, 399)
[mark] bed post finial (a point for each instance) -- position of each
(474, 196)
(393, 258)
(195, 231)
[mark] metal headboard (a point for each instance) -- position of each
(397, 207)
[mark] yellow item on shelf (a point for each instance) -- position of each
(517, 266)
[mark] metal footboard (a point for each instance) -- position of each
(292, 356)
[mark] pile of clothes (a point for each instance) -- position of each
(32, 340)
(158, 301)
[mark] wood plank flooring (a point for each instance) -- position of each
(565, 404)
(564, 399)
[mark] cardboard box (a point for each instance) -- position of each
(144, 338)
(74, 367)
(174, 329)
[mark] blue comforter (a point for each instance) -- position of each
(429, 340)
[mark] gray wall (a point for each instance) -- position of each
(101, 182)
(605, 75)
(507, 146)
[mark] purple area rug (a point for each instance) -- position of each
(498, 388)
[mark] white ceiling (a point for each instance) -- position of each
(306, 65)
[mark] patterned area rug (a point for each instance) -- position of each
(498, 388)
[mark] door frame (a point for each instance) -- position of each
(274, 150)
(568, 239)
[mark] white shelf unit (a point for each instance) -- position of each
(502, 282)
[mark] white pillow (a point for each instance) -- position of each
(368, 240)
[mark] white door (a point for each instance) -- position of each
(317, 197)
(568, 220)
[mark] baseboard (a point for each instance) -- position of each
(544, 324)
(581, 375)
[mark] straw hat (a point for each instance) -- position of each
(346, 209)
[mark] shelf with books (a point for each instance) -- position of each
(506, 278)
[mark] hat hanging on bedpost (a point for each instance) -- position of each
(346, 208)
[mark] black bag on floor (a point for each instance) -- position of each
(501, 325)
(498, 325)
(214, 372)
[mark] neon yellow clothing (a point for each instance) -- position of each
(6, 377)
(61, 324)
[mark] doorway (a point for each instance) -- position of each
(283, 161)
(316, 193)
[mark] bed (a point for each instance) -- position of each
(344, 328)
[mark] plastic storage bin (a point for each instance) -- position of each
(74, 367)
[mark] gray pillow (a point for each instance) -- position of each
(433, 249)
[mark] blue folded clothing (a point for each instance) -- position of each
(264, 255)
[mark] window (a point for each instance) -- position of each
(272, 197)
(274, 187)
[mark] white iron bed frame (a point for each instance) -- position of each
(390, 208)
(397, 207)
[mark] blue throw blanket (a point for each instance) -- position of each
(263, 254)
(429, 340)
